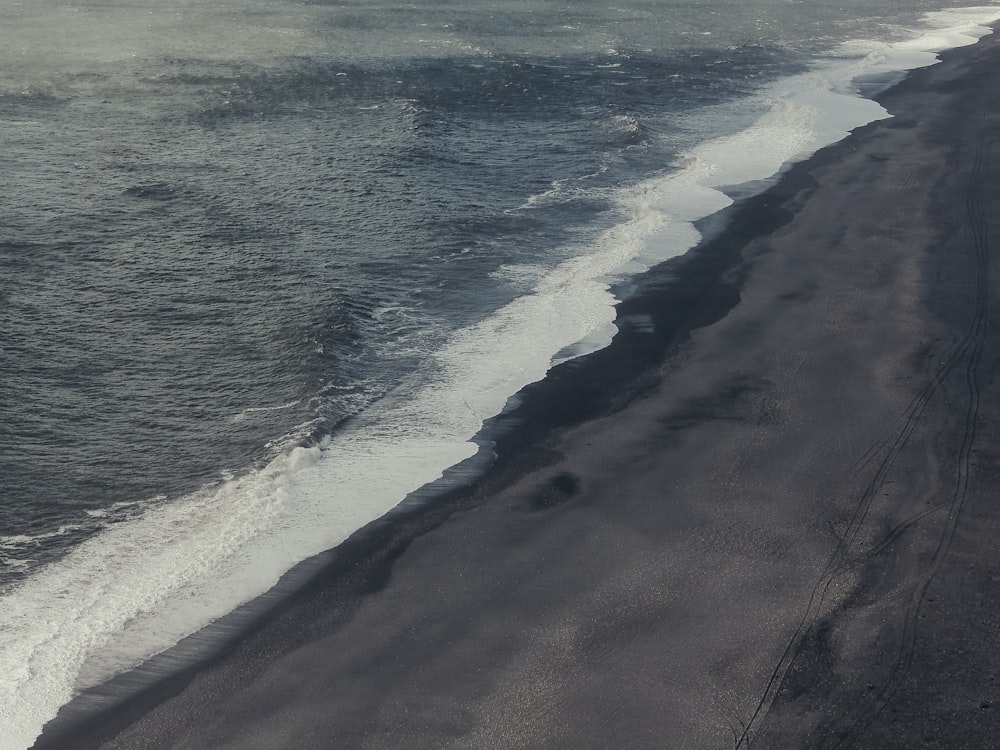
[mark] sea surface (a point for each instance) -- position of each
(267, 266)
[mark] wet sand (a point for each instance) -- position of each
(768, 515)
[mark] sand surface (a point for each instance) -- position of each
(768, 515)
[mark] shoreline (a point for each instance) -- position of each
(687, 503)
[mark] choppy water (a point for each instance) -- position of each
(266, 266)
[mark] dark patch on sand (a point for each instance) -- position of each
(556, 491)
(743, 398)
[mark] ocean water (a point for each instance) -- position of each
(268, 266)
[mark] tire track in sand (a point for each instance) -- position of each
(968, 351)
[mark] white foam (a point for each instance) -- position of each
(142, 584)
(945, 29)
(242, 415)
(950, 28)
(802, 114)
(26, 540)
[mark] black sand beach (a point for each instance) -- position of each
(766, 516)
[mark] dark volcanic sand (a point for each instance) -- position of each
(771, 518)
